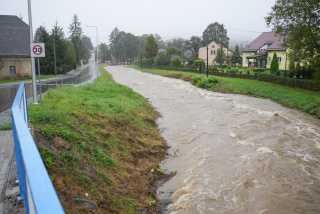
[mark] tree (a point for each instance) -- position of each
(176, 61)
(70, 57)
(76, 37)
(104, 52)
(174, 51)
(117, 44)
(274, 63)
(193, 45)
(215, 32)
(177, 43)
(162, 59)
(46, 63)
(59, 45)
(160, 42)
(217, 59)
(151, 49)
(131, 47)
(236, 57)
(297, 22)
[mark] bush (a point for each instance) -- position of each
(213, 69)
(207, 82)
(224, 65)
(285, 73)
(176, 61)
(274, 63)
(298, 71)
(259, 69)
(297, 83)
(233, 71)
(239, 66)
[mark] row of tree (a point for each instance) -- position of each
(125, 47)
(65, 53)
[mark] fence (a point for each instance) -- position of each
(36, 188)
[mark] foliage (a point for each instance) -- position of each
(193, 45)
(233, 71)
(297, 21)
(104, 52)
(298, 71)
(162, 59)
(151, 49)
(217, 59)
(259, 69)
(215, 32)
(203, 82)
(6, 125)
(177, 43)
(236, 56)
(76, 36)
(274, 63)
(171, 51)
(176, 61)
(160, 171)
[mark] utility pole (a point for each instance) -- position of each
(54, 52)
(221, 48)
(207, 60)
(33, 71)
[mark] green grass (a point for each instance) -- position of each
(100, 139)
(26, 79)
(299, 99)
(4, 126)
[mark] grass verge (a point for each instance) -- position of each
(100, 142)
(299, 99)
(18, 79)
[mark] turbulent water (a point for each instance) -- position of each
(232, 153)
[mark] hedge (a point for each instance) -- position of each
(297, 83)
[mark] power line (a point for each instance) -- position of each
(248, 31)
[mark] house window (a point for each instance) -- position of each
(269, 60)
(213, 52)
(279, 60)
(13, 70)
(212, 46)
(205, 61)
(247, 60)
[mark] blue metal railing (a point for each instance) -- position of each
(36, 188)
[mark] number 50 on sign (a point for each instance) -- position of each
(37, 50)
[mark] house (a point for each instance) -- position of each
(14, 46)
(259, 53)
(212, 52)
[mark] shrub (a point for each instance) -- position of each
(285, 73)
(233, 71)
(298, 71)
(259, 69)
(274, 63)
(176, 61)
(239, 66)
(224, 65)
(213, 68)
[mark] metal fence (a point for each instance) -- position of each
(36, 188)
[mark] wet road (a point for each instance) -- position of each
(232, 153)
(81, 75)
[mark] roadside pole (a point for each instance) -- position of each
(33, 72)
(38, 50)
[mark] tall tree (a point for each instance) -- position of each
(131, 46)
(298, 22)
(87, 45)
(274, 63)
(59, 46)
(193, 45)
(217, 59)
(76, 37)
(151, 49)
(215, 32)
(104, 52)
(177, 42)
(46, 63)
(117, 44)
(236, 57)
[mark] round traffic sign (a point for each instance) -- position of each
(37, 50)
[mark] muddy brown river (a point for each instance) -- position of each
(232, 153)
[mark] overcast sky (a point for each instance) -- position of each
(168, 18)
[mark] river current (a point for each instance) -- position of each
(232, 153)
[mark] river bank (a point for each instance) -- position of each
(101, 147)
(294, 98)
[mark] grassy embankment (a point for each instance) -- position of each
(17, 79)
(100, 142)
(300, 99)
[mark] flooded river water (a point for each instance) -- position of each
(232, 153)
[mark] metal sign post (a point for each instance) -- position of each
(38, 50)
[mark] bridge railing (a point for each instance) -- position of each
(36, 188)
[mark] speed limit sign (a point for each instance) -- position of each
(37, 50)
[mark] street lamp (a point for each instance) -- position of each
(97, 41)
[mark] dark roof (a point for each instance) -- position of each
(255, 56)
(266, 38)
(14, 36)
